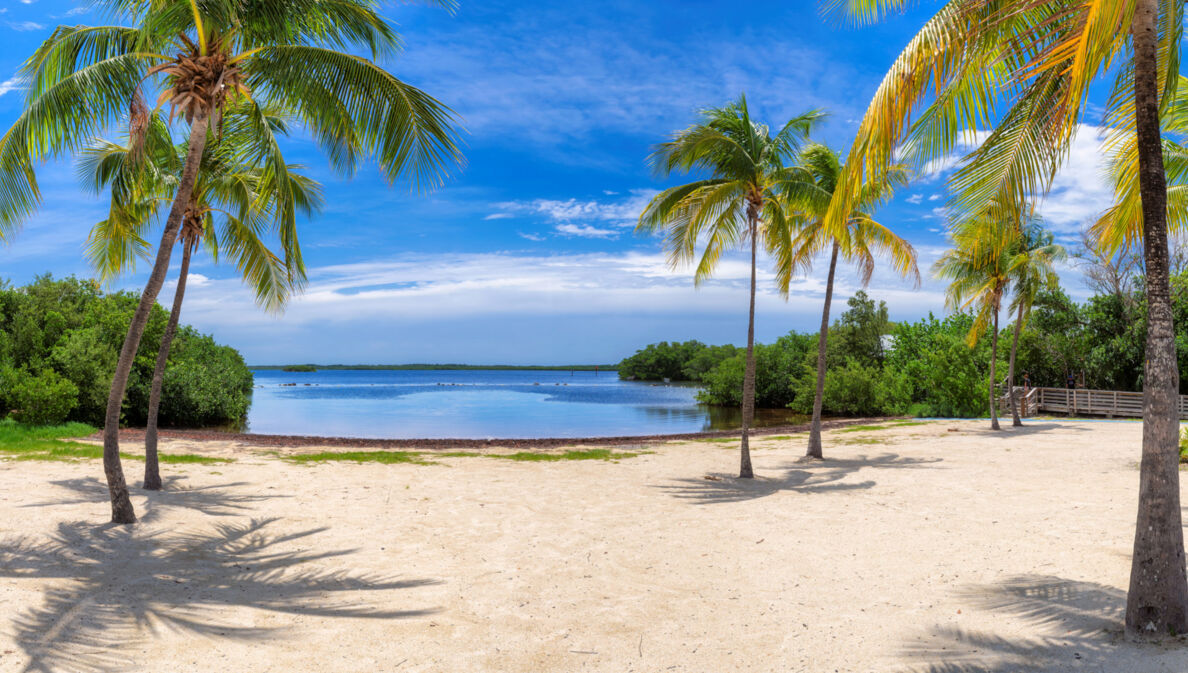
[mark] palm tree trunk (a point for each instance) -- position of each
(748, 401)
(152, 471)
(1157, 603)
(121, 505)
(814, 443)
(993, 367)
(1015, 421)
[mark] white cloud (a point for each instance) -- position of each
(585, 231)
(499, 216)
(1079, 192)
(531, 237)
(14, 83)
(620, 210)
(915, 199)
(25, 25)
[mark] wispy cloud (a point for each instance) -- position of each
(915, 199)
(585, 231)
(14, 83)
(531, 237)
(618, 210)
(517, 81)
(25, 25)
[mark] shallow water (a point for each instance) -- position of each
(401, 404)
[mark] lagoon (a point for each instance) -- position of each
(479, 404)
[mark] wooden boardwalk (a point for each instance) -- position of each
(1108, 403)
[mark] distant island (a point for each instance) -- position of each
(314, 368)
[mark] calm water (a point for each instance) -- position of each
(478, 404)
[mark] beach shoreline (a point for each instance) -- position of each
(252, 439)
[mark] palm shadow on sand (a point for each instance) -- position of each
(813, 476)
(220, 500)
(1009, 431)
(1077, 627)
(113, 585)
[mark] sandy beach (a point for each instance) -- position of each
(939, 547)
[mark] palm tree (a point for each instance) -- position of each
(978, 268)
(862, 237)
(1030, 270)
(737, 205)
(203, 55)
(1120, 228)
(1025, 70)
(234, 185)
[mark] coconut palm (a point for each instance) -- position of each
(1031, 270)
(236, 187)
(808, 199)
(978, 268)
(201, 56)
(1121, 227)
(1025, 70)
(738, 205)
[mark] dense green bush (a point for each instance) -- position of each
(64, 336)
(44, 398)
(676, 361)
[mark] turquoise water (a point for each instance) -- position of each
(478, 404)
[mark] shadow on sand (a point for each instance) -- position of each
(800, 477)
(1077, 627)
(1028, 428)
(114, 585)
(221, 500)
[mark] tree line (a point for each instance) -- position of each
(926, 367)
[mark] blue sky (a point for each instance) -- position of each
(527, 256)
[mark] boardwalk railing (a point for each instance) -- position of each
(1108, 403)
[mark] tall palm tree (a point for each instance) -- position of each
(738, 205)
(235, 186)
(978, 270)
(1025, 69)
(201, 56)
(1031, 270)
(857, 242)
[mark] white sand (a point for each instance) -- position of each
(912, 549)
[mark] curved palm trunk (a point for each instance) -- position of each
(748, 401)
(152, 471)
(121, 504)
(814, 443)
(993, 367)
(1015, 421)
(1157, 603)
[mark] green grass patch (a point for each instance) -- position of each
(881, 426)
(722, 440)
(861, 440)
(423, 458)
(776, 437)
(24, 442)
(578, 454)
(383, 457)
(863, 428)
